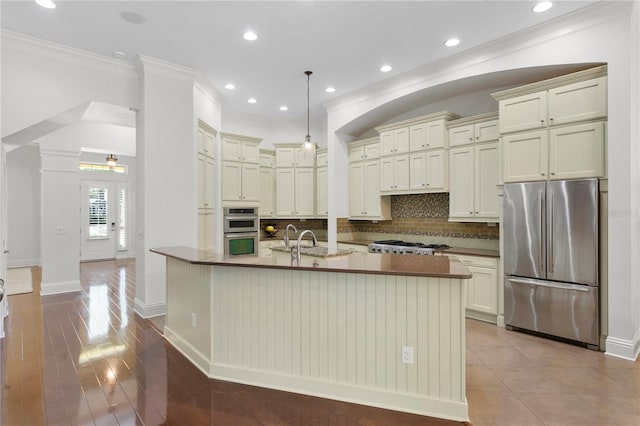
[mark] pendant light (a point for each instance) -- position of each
(111, 160)
(308, 147)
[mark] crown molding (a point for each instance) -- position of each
(208, 91)
(145, 64)
(443, 115)
(243, 137)
(473, 119)
(33, 46)
(366, 141)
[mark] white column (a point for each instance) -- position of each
(166, 175)
(60, 221)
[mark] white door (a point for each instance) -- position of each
(98, 231)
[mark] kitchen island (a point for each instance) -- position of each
(331, 327)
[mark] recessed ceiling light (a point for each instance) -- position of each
(385, 68)
(452, 42)
(134, 18)
(250, 36)
(330, 89)
(120, 55)
(252, 100)
(543, 6)
(230, 86)
(284, 108)
(49, 4)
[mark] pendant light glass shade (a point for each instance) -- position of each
(111, 160)
(308, 147)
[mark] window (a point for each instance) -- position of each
(122, 219)
(98, 212)
(94, 167)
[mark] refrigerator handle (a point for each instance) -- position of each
(550, 233)
(540, 255)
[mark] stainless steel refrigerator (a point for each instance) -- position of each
(551, 258)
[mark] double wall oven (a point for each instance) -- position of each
(241, 225)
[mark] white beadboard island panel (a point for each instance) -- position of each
(331, 334)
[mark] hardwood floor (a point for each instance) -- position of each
(86, 358)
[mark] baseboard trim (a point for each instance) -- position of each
(622, 348)
(186, 349)
(47, 289)
(150, 310)
(22, 263)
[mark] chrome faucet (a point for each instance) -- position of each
(286, 235)
(302, 234)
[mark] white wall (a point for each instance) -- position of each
(23, 205)
(599, 34)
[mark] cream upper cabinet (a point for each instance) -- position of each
(206, 176)
(568, 152)
(267, 158)
(295, 192)
(206, 142)
(474, 174)
(484, 130)
(585, 100)
(238, 149)
(394, 173)
(293, 156)
(322, 194)
(322, 159)
(418, 137)
(285, 192)
(418, 171)
(437, 136)
(365, 201)
(305, 192)
(462, 135)
(241, 182)
(267, 191)
(524, 112)
(565, 142)
(394, 141)
(526, 156)
(428, 170)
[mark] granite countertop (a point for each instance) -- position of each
(452, 250)
(361, 263)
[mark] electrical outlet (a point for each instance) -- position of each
(194, 322)
(407, 355)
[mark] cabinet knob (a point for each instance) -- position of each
(470, 212)
(552, 173)
(542, 174)
(550, 119)
(477, 212)
(470, 139)
(541, 121)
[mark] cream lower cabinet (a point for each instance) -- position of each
(365, 201)
(206, 176)
(394, 173)
(474, 175)
(295, 192)
(569, 152)
(267, 191)
(240, 182)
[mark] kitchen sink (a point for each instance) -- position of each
(314, 251)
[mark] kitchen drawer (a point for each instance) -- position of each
(483, 262)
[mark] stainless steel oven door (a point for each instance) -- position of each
(241, 244)
(248, 223)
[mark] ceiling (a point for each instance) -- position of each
(344, 43)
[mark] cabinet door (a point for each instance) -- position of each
(371, 189)
(486, 131)
(357, 189)
(322, 184)
(576, 151)
(231, 148)
(526, 112)
(267, 160)
(418, 171)
(208, 182)
(401, 172)
(581, 101)
(387, 145)
(356, 153)
(322, 159)
(285, 192)
(487, 176)
(482, 290)
(231, 181)
(285, 157)
(437, 170)
(418, 137)
(201, 180)
(436, 134)
(372, 151)
(462, 135)
(461, 182)
(250, 152)
(267, 187)
(401, 140)
(208, 144)
(304, 158)
(250, 182)
(387, 171)
(526, 156)
(305, 194)
(201, 142)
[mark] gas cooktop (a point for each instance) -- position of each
(403, 247)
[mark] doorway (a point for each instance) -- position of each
(103, 215)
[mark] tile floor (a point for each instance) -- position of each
(85, 359)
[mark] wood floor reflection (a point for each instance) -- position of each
(86, 358)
